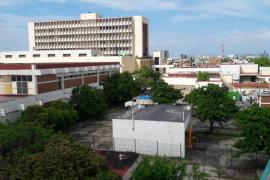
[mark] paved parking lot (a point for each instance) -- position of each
(96, 134)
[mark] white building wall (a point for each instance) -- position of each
(230, 73)
(31, 36)
(128, 63)
(200, 84)
(180, 81)
(264, 71)
(249, 68)
(111, 36)
(138, 39)
(192, 70)
(86, 16)
(149, 137)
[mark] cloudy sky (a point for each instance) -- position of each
(181, 26)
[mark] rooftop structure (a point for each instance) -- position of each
(128, 63)
(153, 130)
(110, 36)
(162, 112)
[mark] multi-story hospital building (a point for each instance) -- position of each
(110, 36)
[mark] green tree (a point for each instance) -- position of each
(61, 159)
(120, 88)
(203, 76)
(57, 115)
(89, 102)
(262, 61)
(146, 77)
(212, 104)
(23, 136)
(158, 168)
(255, 130)
(162, 93)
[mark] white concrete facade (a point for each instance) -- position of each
(128, 63)
(160, 56)
(150, 137)
(110, 36)
(192, 70)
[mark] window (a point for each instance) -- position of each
(21, 78)
(36, 55)
(66, 55)
(8, 56)
(82, 55)
(22, 88)
(22, 56)
(51, 55)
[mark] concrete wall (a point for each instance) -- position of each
(205, 83)
(192, 70)
(138, 39)
(264, 71)
(149, 137)
(31, 36)
(143, 62)
(180, 81)
(10, 109)
(128, 62)
(249, 68)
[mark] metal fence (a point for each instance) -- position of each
(224, 157)
(204, 154)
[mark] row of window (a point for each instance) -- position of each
(84, 21)
(83, 29)
(48, 55)
(21, 78)
(70, 36)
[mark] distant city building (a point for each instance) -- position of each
(110, 36)
(263, 99)
(160, 56)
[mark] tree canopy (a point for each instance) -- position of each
(212, 104)
(255, 130)
(120, 88)
(162, 93)
(203, 76)
(146, 77)
(89, 102)
(61, 159)
(58, 115)
(23, 136)
(262, 61)
(159, 168)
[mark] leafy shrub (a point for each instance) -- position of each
(61, 159)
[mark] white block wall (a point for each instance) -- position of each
(149, 137)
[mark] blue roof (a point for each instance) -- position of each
(144, 97)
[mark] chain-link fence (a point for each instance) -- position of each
(225, 157)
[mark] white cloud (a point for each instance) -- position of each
(215, 9)
(13, 30)
(131, 5)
